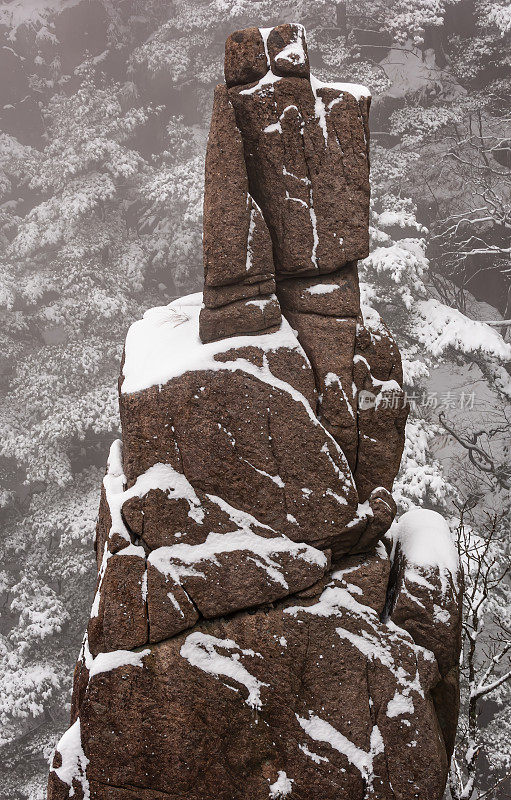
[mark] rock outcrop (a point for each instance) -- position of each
(250, 636)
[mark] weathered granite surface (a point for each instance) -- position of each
(251, 636)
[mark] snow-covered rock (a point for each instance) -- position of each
(245, 639)
(425, 599)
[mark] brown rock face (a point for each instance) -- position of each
(313, 693)
(306, 157)
(245, 57)
(249, 636)
(287, 51)
(238, 268)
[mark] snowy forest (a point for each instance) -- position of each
(104, 116)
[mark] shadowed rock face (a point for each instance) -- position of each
(250, 636)
(287, 174)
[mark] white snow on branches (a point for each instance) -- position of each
(443, 327)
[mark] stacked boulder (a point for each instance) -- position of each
(250, 636)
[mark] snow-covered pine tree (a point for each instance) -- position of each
(81, 259)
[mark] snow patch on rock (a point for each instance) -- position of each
(321, 731)
(173, 483)
(282, 786)
(314, 756)
(322, 288)
(426, 543)
(106, 662)
(182, 560)
(333, 601)
(165, 344)
(202, 651)
(294, 52)
(74, 760)
(400, 704)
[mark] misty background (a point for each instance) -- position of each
(104, 113)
